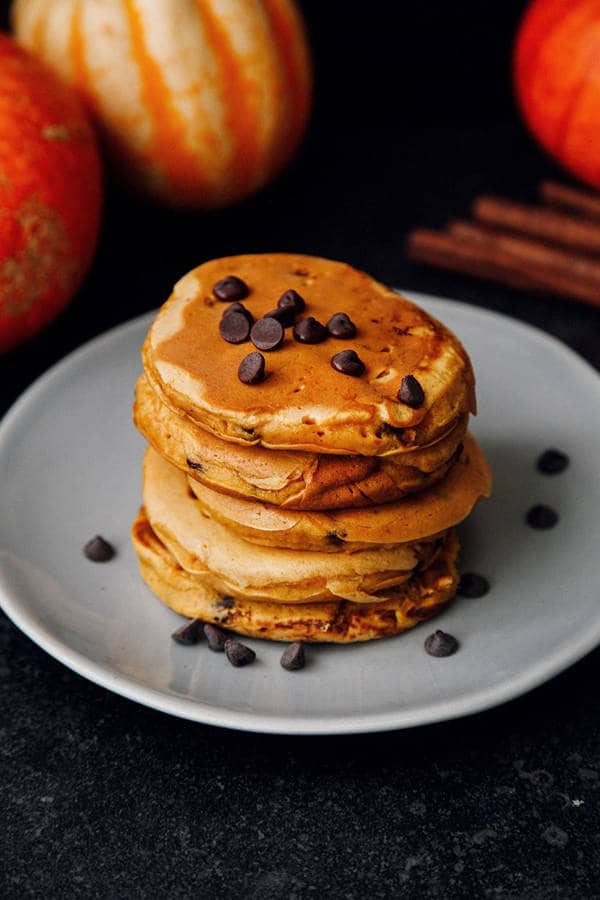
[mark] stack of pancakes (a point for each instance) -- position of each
(314, 504)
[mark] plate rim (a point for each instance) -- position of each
(200, 711)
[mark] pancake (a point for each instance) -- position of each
(423, 596)
(304, 403)
(292, 479)
(233, 566)
(412, 519)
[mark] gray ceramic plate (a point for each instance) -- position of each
(69, 468)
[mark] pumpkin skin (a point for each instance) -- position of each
(557, 81)
(200, 102)
(50, 194)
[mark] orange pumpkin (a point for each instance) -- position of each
(50, 194)
(201, 103)
(557, 81)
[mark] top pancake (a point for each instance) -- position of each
(304, 404)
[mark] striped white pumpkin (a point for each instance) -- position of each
(200, 101)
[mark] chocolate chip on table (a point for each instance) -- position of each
(188, 634)
(252, 368)
(473, 585)
(98, 550)
(267, 334)
(541, 516)
(341, 325)
(441, 644)
(411, 393)
(552, 461)
(230, 288)
(235, 328)
(310, 331)
(215, 637)
(239, 308)
(238, 654)
(348, 362)
(293, 657)
(283, 314)
(292, 300)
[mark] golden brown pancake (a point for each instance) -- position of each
(304, 403)
(427, 593)
(214, 553)
(292, 479)
(434, 511)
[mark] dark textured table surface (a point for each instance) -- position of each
(101, 797)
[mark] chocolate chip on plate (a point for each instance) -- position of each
(341, 325)
(310, 331)
(188, 634)
(215, 637)
(293, 657)
(283, 314)
(239, 308)
(411, 393)
(98, 550)
(473, 585)
(552, 461)
(441, 644)
(541, 516)
(238, 654)
(252, 368)
(235, 328)
(230, 288)
(292, 300)
(348, 362)
(267, 334)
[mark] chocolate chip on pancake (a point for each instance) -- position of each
(230, 288)
(98, 550)
(541, 516)
(292, 300)
(235, 328)
(238, 654)
(283, 314)
(441, 644)
(215, 637)
(348, 362)
(341, 325)
(310, 331)
(189, 633)
(552, 462)
(267, 334)
(473, 585)
(293, 657)
(411, 393)
(239, 308)
(252, 368)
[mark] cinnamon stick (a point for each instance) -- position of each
(539, 222)
(586, 203)
(485, 259)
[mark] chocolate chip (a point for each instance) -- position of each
(541, 516)
(348, 362)
(235, 328)
(198, 467)
(267, 334)
(238, 654)
(239, 308)
(293, 657)
(310, 331)
(215, 637)
(341, 326)
(334, 539)
(230, 288)
(552, 461)
(225, 603)
(188, 634)
(99, 550)
(441, 644)
(283, 314)
(292, 300)
(252, 368)
(473, 585)
(411, 393)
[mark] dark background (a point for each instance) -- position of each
(102, 798)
